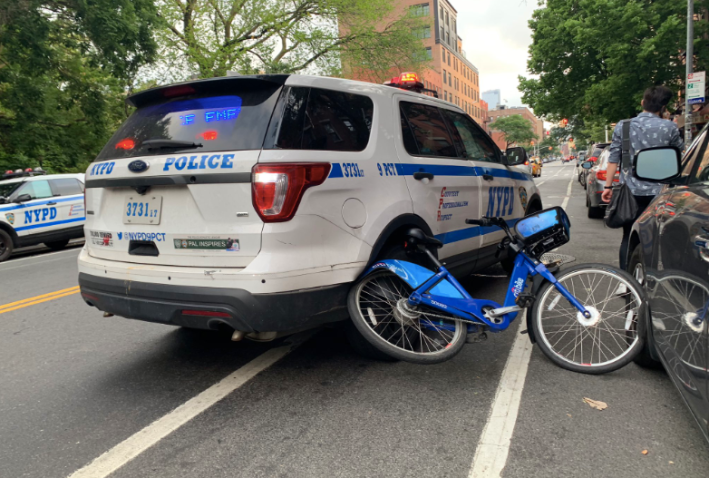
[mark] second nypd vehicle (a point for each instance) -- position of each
(36, 208)
(254, 202)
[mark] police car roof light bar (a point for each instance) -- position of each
(19, 173)
(410, 81)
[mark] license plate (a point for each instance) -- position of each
(142, 209)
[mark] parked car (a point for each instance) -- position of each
(536, 164)
(592, 155)
(36, 208)
(596, 182)
(669, 249)
(268, 195)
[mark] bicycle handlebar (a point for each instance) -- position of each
(492, 221)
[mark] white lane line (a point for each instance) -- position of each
(494, 444)
(568, 194)
(553, 175)
(133, 446)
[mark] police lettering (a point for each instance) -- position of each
(99, 169)
(500, 201)
(40, 215)
(204, 161)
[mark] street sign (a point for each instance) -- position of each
(695, 87)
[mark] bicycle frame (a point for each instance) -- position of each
(470, 309)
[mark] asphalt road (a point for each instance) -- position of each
(74, 385)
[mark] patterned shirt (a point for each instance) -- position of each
(646, 131)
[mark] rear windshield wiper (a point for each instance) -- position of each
(168, 144)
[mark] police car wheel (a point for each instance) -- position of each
(57, 245)
(5, 245)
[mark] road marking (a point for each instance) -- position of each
(557, 173)
(38, 299)
(134, 445)
(568, 194)
(494, 444)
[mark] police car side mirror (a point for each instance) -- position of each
(23, 198)
(658, 165)
(516, 156)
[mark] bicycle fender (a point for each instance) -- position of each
(415, 275)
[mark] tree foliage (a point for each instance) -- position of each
(211, 37)
(64, 69)
(515, 129)
(594, 58)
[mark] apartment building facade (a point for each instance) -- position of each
(451, 74)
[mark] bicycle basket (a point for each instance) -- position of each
(544, 231)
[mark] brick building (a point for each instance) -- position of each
(502, 111)
(450, 74)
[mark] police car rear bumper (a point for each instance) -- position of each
(212, 308)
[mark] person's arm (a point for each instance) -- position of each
(613, 160)
(676, 138)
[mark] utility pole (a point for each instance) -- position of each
(690, 69)
(606, 133)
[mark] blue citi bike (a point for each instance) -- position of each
(585, 318)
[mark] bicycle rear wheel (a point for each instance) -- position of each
(606, 341)
(378, 306)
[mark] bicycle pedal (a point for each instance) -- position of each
(476, 338)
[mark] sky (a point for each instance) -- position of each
(496, 38)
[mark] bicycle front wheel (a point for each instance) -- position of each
(379, 308)
(602, 343)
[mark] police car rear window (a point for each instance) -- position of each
(325, 120)
(228, 122)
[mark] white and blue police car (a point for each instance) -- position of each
(36, 208)
(253, 202)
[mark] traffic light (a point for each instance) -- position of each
(532, 142)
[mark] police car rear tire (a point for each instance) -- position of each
(57, 245)
(6, 245)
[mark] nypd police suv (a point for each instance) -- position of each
(252, 203)
(36, 208)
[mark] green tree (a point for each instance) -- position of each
(210, 37)
(515, 129)
(594, 58)
(64, 71)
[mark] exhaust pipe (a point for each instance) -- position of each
(237, 336)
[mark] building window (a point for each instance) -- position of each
(450, 81)
(447, 24)
(440, 15)
(444, 77)
(449, 58)
(445, 95)
(455, 26)
(443, 33)
(420, 10)
(448, 40)
(429, 53)
(424, 32)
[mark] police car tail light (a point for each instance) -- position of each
(276, 189)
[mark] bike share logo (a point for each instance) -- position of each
(438, 304)
(517, 288)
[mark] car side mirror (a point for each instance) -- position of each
(657, 165)
(516, 156)
(23, 198)
(587, 165)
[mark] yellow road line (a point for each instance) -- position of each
(38, 299)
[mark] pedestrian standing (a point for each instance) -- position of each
(647, 130)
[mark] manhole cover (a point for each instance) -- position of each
(552, 258)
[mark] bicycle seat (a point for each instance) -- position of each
(417, 236)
